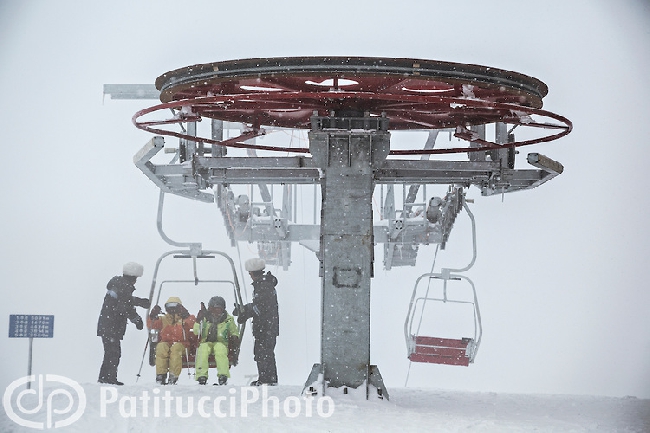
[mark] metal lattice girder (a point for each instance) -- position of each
(172, 178)
(189, 179)
(301, 170)
(192, 178)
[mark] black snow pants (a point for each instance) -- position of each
(112, 354)
(264, 352)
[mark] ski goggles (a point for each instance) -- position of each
(171, 305)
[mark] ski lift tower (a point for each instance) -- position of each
(349, 105)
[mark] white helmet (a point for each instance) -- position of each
(132, 269)
(255, 265)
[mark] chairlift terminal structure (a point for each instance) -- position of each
(349, 106)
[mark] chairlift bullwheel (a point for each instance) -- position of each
(408, 94)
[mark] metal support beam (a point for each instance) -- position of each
(347, 160)
(131, 91)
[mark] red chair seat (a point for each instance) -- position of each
(441, 351)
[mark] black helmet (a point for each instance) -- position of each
(217, 301)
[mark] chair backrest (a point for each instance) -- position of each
(447, 351)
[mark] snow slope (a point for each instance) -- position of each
(147, 408)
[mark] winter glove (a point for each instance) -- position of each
(245, 312)
(202, 312)
(183, 312)
(141, 302)
(138, 323)
(233, 350)
(236, 311)
(155, 312)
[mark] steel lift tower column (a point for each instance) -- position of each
(348, 160)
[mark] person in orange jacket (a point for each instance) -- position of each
(174, 338)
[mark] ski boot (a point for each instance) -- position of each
(260, 383)
(223, 380)
(161, 379)
(110, 381)
(172, 379)
(202, 380)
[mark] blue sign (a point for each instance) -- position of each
(31, 326)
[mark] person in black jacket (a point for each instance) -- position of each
(264, 311)
(119, 305)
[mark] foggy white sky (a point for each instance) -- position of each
(561, 271)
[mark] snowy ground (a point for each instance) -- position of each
(147, 408)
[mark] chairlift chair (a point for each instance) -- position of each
(438, 350)
(190, 354)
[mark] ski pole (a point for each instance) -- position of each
(187, 352)
(142, 360)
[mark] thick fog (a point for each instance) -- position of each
(561, 270)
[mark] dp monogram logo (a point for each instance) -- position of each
(60, 403)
